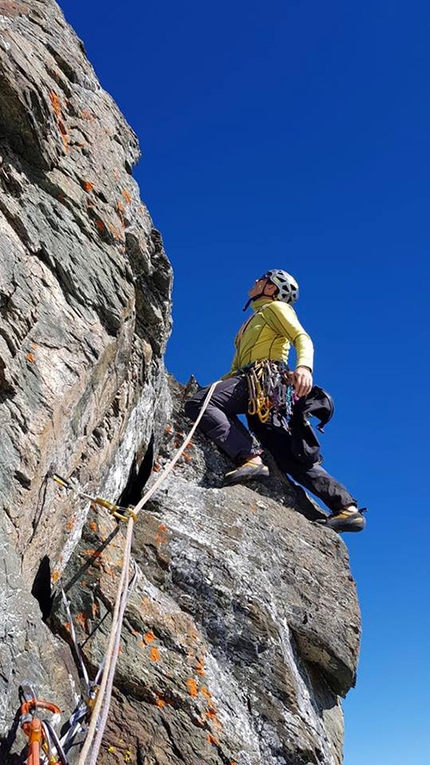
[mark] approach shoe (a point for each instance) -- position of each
(247, 472)
(346, 520)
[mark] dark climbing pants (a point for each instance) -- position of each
(277, 440)
(222, 425)
(220, 421)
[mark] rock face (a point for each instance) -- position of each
(84, 318)
(242, 629)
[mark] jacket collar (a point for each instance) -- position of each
(260, 302)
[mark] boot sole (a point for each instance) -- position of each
(246, 478)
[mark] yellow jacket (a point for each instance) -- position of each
(269, 334)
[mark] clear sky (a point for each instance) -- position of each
(295, 134)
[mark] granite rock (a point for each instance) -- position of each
(242, 630)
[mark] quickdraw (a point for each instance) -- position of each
(269, 389)
(100, 695)
(118, 512)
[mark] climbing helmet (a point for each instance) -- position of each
(288, 289)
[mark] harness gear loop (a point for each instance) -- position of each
(269, 389)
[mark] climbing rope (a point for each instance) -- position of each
(100, 711)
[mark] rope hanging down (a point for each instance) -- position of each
(97, 726)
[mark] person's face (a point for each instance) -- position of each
(262, 286)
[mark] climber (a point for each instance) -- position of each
(260, 362)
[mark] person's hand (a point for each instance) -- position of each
(302, 381)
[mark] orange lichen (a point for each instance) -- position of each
(92, 553)
(96, 610)
(200, 667)
(156, 468)
(100, 225)
(116, 233)
(31, 358)
(154, 654)
(204, 691)
(93, 526)
(55, 576)
(168, 429)
(120, 207)
(87, 186)
(69, 526)
(149, 637)
(162, 528)
(160, 703)
(192, 687)
(67, 626)
(86, 115)
(127, 196)
(56, 106)
(212, 740)
(55, 102)
(82, 620)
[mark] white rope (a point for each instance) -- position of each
(101, 707)
(178, 454)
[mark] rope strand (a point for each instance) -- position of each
(101, 706)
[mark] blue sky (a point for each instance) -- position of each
(296, 135)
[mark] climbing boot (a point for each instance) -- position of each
(247, 472)
(345, 520)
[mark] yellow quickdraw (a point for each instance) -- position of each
(118, 512)
(259, 402)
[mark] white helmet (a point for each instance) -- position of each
(288, 289)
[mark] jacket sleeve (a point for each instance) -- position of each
(282, 318)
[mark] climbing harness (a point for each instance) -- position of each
(269, 389)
